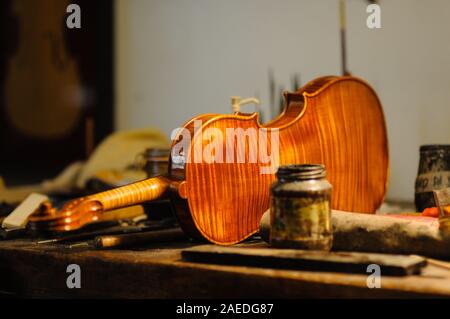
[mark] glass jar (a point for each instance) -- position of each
(433, 174)
(300, 212)
(155, 161)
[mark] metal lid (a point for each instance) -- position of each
(301, 172)
(435, 147)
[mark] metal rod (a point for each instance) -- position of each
(343, 26)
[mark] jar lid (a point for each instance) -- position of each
(301, 172)
(435, 147)
(156, 152)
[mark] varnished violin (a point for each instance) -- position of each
(337, 121)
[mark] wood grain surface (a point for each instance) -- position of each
(157, 271)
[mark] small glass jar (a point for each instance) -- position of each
(300, 212)
(155, 161)
(433, 174)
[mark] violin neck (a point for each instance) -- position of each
(133, 194)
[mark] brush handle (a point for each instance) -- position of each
(147, 237)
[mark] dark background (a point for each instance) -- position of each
(27, 159)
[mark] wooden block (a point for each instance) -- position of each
(347, 262)
(19, 217)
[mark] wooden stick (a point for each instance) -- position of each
(383, 234)
(125, 240)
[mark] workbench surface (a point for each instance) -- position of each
(31, 270)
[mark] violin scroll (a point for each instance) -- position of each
(79, 212)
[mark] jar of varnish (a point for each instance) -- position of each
(155, 162)
(300, 212)
(434, 174)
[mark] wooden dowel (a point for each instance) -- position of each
(125, 240)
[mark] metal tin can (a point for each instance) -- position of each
(155, 161)
(433, 174)
(300, 212)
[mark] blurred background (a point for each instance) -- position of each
(157, 63)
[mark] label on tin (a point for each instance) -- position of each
(432, 181)
(300, 219)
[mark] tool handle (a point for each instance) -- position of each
(125, 240)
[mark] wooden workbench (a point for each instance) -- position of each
(31, 270)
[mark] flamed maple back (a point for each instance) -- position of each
(337, 121)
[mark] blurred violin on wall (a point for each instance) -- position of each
(55, 85)
(42, 88)
(337, 121)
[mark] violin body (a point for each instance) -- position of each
(336, 121)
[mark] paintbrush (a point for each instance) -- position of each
(132, 239)
(108, 231)
(149, 237)
(121, 228)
